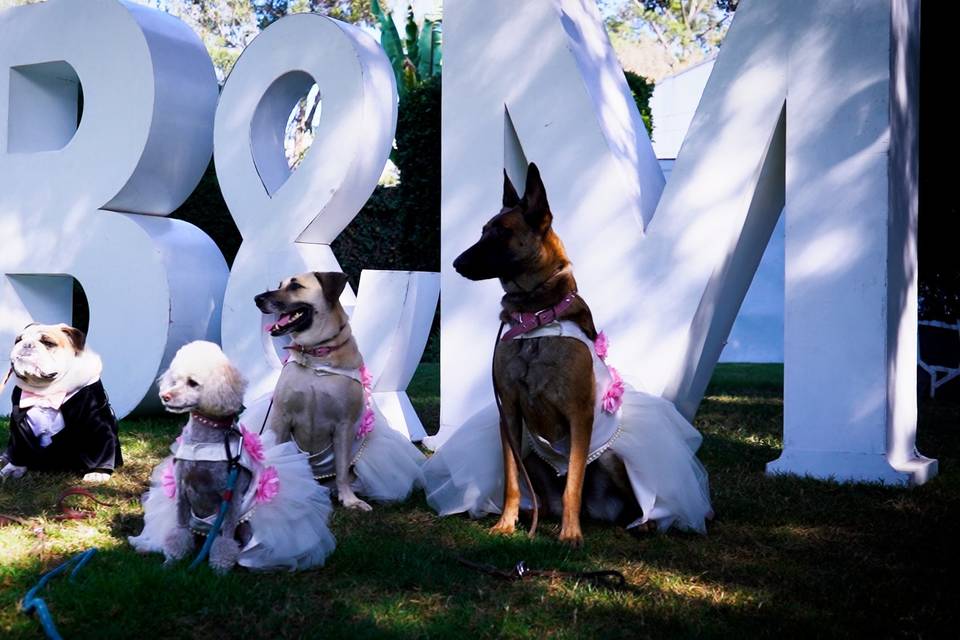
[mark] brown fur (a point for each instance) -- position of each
(545, 384)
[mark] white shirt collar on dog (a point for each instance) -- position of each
(321, 369)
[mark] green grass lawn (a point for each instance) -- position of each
(786, 556)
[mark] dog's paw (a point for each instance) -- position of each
(571, 536)
(223, 554)
(650, 526)
(353, 502)
(11, 470)
(504, 527)
(96, 477)
(177, 545)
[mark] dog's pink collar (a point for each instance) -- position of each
(317, 352)
(522, 322)
(213, 422)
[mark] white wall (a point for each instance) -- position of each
(757, 334)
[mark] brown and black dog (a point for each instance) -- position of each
(545, 384)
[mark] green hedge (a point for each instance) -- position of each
(399, 228)
(642, 90)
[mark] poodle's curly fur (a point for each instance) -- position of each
(202, 379)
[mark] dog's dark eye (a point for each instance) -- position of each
(17, 339)
(192, 383)
(48, 343)
(293, 286)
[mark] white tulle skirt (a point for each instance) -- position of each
(656, 444)
(289, 531)
(389, 466)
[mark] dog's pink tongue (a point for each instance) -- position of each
(282, 321)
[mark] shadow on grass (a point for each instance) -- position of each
(786, 556)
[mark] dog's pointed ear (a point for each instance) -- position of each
(538, 213)
(332, 283)
(77, 338)
(510, 197)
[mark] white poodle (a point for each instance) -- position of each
(287, 529)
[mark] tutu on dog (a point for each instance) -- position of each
(278, 514)
(656, 444)
(386, 466)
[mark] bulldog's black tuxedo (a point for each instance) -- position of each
(87, 443)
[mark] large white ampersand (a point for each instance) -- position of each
(288, 219)
(141, 145)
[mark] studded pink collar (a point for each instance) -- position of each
(522, 322)
(214, 422)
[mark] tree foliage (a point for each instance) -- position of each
(686, 30)
(642, 90)
(225, 26)
(354, 11)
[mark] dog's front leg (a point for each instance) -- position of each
(581, 428)
(178, 542)
(511, 475)
(280, 420)
(342, 444)
(225, 549)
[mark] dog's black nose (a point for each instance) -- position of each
(458, 264)
(259, 298)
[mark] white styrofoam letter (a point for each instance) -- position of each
(288, 219)
(72, 184)
(665, 273)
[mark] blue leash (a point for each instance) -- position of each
(31, 603)
(215, 529)
(234, 464)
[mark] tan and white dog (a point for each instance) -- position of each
(61, 418)
(322, 399)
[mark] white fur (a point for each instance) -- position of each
(178, 544)
(202, 379)
(68, 370)
(223, 554)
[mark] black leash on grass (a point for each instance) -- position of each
(605, 578)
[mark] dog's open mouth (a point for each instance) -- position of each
(297, 319)
(31, 373)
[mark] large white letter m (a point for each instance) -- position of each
(810, 110)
